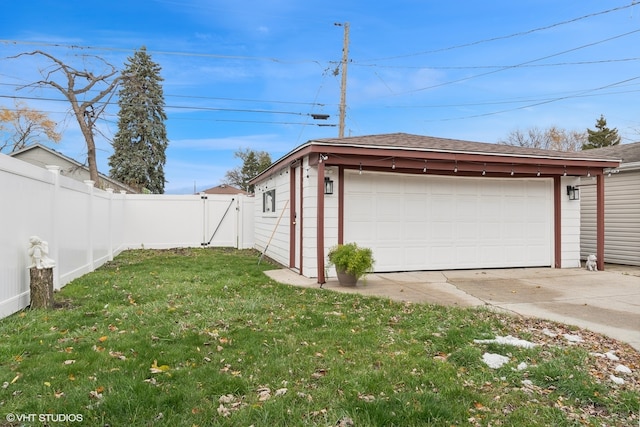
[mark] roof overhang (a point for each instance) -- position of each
(446, 161)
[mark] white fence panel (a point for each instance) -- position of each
(86, 227)
(26, 197)
(163, 221)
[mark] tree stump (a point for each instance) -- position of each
(41, 287)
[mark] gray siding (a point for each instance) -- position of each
(622, 218)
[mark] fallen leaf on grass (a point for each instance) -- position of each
(69, 362)
(223, 411)
(155, 369)
(264, 394)
(227, 398)
(319, 373)
(366, 397)
(103, 338)
(117, 355)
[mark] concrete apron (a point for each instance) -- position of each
(606, 302)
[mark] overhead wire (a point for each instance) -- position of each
(518, 34)
(494, 68)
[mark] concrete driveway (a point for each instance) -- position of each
(606, 302)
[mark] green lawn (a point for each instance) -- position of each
(200, 337)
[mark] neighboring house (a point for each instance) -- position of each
(621, 206)
(225, 189)
(39, 155)
(423, 203)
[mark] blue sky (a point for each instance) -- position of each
(249, 74)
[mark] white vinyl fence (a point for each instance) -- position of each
(86, 227)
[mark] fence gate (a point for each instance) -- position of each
(220, 216)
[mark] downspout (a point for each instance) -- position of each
(320, 224)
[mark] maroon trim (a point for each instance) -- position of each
(557, 222)
(301, 219)
(600, 221)
(320, 225)
(340, 205)
(292, 217)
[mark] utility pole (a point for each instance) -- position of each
(343, 86)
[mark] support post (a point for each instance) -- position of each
(600, 221)
(557, 221)
(320, 223)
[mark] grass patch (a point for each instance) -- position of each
(200, 337)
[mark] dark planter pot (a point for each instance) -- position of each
(346, 279)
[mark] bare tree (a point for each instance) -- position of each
(552, 138)
(86, 107)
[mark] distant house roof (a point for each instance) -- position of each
(628, 153)
(224, 189)
(40, 155)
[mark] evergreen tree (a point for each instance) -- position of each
(253, 162)
(602, 137)
(141, 140)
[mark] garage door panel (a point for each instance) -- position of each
(425, 222)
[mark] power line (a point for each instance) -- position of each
(548, 101)
(522, 33)
(480, 67)
(236, 110)
(159, 52)
(520, 64)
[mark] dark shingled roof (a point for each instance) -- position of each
(628, 153)
(431, 143)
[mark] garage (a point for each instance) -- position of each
(428, 203)
(430, 222)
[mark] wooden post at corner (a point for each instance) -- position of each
(41, 287)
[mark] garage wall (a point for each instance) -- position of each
(621, 217)
(570, 220)
(266, 223)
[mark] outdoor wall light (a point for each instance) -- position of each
(573, 192)
(328, 186)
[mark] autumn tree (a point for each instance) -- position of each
(602, 136)
(23, 126)
(88, 93)
(253, 162)
(552, 138)
(141, 140)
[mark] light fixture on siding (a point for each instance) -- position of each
(360, 172)
(328, 186)
(484, 171)
(425, 167)
(565, 171)
(455, 169)
(393, 163)
(573, 192)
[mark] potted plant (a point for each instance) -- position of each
(351, 262)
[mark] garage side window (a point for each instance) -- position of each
(269, 201)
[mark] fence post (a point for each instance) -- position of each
(89, 184)
(110, 224)
(55, 215)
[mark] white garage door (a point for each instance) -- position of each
(415, 222)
